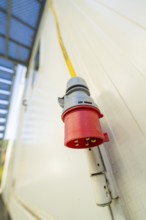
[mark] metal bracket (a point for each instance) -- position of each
(101, 177)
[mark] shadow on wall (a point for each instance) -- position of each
(3, 150)
(4, 215)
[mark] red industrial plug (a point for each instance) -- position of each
(81, 117)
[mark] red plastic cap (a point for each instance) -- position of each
(82, 127)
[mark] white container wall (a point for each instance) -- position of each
(106, 41)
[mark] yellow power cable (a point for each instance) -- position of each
(63, 49)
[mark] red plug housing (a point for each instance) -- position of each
(82, 127)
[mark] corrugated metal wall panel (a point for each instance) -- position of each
(107, 47)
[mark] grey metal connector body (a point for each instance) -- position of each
(77, 94)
